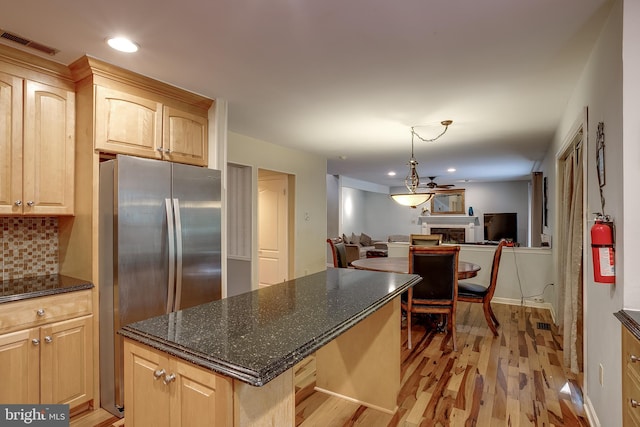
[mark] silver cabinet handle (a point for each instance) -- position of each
(634, 403)
(634, 358)
(35, 341)
(167, 150)
(169, 378)
(158, 373)
(48, 339)
(40, 312)
(30, 203)
(159, 149)
(18, 203)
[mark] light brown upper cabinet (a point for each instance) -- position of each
(37, 135)
(139, 116)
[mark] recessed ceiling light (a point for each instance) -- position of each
(122, 44)
(392, 173)
(451, 170)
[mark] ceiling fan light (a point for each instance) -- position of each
(411, 199)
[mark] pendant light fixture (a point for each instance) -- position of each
(412, 181)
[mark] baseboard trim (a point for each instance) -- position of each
(527, 303)
(590, 411)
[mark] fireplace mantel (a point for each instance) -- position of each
(467, 222)
(448, 219)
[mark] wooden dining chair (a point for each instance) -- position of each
(438, 290)
(339, 252)
(473, 292)
(425, 239)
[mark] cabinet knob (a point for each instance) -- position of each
(169, 378)
(30, 203)
(167, 151)
(48, 339)
(40, 312)
(634, 358)
(634, 403)
(35, 341)
(159, 149)
(158, 373)
(18, 203)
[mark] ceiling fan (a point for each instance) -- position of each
(433, 185)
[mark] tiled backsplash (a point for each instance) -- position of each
(29, 247)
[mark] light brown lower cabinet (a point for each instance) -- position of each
(630, 379)
(48, 364)
(161, 390)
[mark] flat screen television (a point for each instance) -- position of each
(501, 226)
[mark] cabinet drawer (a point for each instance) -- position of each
(26, 314)
(630, 350)
(630, 393)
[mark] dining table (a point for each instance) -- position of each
(466, 269)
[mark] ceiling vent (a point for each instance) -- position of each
(27, 43)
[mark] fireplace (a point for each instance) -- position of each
(451, 234)
(454, 228)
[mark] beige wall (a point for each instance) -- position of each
(310, 216)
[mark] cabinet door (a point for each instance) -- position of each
(66, 360)
(19, 367)
(200, 397)
(10, 144)
(185, 137)
(146, 397)
(127, 124)
(48, 149)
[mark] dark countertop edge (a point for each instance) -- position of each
(47, 292)
(249, 376)
(628, 322)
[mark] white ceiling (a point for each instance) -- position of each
(350, 77)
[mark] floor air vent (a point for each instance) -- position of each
(27, 43)
(545, 326)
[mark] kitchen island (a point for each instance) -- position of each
(242, 350)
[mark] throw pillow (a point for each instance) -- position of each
(344, 239)
(355, 240)
(365, 240)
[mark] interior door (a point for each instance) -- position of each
(272, 228)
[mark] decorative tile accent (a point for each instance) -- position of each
(29, 247)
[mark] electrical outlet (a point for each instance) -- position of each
(601, 376)
(538, 299)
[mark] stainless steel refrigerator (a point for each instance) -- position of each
(159, 238)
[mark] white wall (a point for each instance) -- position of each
(377, 215)
(600, 88)
(310, 217)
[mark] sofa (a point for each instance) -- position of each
(357, 246)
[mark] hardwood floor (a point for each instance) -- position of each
(515, 379)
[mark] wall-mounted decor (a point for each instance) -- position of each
(545, 199)
(600, 154)
(448, 202)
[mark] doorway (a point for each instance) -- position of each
(273, 227)
(571, 237)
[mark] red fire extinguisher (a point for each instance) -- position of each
(602, 249)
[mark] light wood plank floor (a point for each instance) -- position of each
(515, 379)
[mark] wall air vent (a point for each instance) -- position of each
(27, 43)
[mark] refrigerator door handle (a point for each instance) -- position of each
(172, 255)
(176, 212)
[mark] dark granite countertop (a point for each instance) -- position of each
(256, 336)
(34, 287)
(631, 320)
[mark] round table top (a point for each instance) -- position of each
(401, 265)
